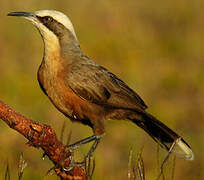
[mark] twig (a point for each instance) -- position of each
(42, 136)
(173, 168)
(165, 159)
(157, 156)
(21, 166)
(141, 167)
(138, 168)
(7, 172)
(130, 164)
(62, 131)
(158, 163)
(69, 138)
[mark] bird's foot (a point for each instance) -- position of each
(87, 158)
(73, 164)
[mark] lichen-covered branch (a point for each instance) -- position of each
(42, 136)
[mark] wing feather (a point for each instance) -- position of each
(96, 84)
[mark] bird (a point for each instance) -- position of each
(88, 93)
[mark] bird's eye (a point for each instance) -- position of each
(48, 19)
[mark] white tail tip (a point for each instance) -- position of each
(182, 150)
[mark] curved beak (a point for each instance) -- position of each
(27, 15)
(22, 14)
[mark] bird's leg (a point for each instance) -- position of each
(89, 154)
(91, 151)
(93, 147)
(81, 142)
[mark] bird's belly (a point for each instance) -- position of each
(70, 104)
(59, 94)
(67, 102)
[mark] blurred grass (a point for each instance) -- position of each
(156, 47)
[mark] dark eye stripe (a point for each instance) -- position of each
(48, 18)
(56, 27)
(45, 19)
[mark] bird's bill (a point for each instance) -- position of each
(22, 14)
(27, 15)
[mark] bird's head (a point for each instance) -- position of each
(55, 27)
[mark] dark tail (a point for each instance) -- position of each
(163, 135)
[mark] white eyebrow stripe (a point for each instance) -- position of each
(60, 17)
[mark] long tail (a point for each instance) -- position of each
(163, 135)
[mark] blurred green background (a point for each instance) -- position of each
(155, 46)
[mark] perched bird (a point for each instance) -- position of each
(88, 93)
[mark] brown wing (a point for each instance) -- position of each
(97, 85)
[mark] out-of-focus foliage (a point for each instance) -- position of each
(155, 46)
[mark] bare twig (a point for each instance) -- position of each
(138, 168)
(7, 172)
(165, 159)
(69, 138)
(158, 163)
(173, 168)
(42, 136)
(130, 164)
(157, 156)
(62, 131)
(21, 166)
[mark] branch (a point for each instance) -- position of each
(42, 136)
